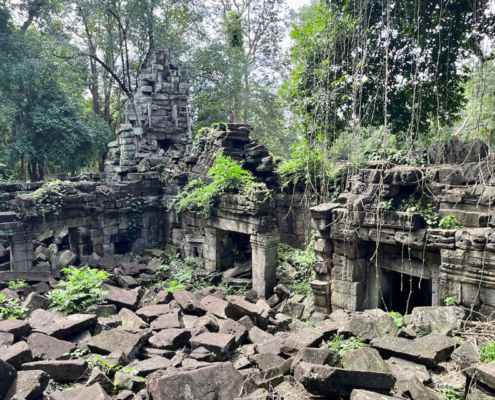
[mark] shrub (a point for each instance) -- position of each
(450, 222)
(338, 343)
(227, 176)
(52, 196)
(80, 290)
(449, 301)
(175, 286)
(398, 318)
(487, 352)
(11, 309)
(427, 211)
(17, 284)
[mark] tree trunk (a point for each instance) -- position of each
(95, 86)
(247, 100)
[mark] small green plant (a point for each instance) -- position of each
(134, 217)
(417, 206)
(450, 222)
(398, 318)
(387, 206)
(50, 196)
(11, 309)
(338, 343)
(449, 301)
(175, 286)
(227, 176)
(80, 290)
(487, 352)
(450, 394)
(17, 284)
(163, 268)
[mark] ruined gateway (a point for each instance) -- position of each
(365, 255)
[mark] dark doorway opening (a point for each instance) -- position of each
(404, 292)
(240, 247)
(122, 247)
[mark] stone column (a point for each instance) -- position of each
(214, 251)
(21, 252)
(264, 252)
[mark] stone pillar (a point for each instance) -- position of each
(264, 252)
(21, 252)
(323, 266)
(214, 251)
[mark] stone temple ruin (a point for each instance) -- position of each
(150, 343)
(363, 253)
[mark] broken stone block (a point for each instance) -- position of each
(208, 321)
(16, 355)
(28, 385)
(34, 301)
(60, 326)
(261, 381)
(146, 367)
(46, 347)
(319, 356)
(122, 297)
(215, 305)
(485, 373)
(404, 371)
(293, 309)
(103, 310)
(466, 356)
(417, 390)
(189, 303)
(67, 259)
(417, 352)
(97, 376)
(364, 359)
(16, 327)
(7, 376)
(259, 336)
(127, 381)
(216, 382)
(231, 327)
(6, 339)
(360, 325)
(60, 371)
(238, 308)
(443, 345)
(429, 319)
(131, 320)
(150, 313)
(218, 343)
(328, 381)
(109, 341)
(167, 321)
(307, 337)
(94, 392)
(170, 339)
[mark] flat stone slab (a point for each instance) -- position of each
(219, 344)
(60, 326)
(443, 345)
(364, 359)
(28, 385)
(316, 356)
(417, 352)
(307, 337)
(215, 305)
(7, 375)
(358, 394)
(216, 382)
(167, 321)
(327, 381)
(60, 371)
(16, 355)
(115, 339)
(430, 319)
(46, 347)
(231, 327)
(486, 373)
(170, 339)
(404, 370)
(150, 313)
(28, 276)
(94, 392)
(122, 298)
(15, 327)
(146, 367)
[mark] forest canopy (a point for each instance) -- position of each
(336, 80)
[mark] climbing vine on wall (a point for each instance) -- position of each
(50, 197)
(134, 217)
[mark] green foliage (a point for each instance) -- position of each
(227, 176)
(80, 290)
(398, 156)
(450, 222)
(339, 344)
(450, 301)
(296, 267)
(427, 211)
(398, 318)
(387, 206)
(11, 309)
(174, 285)
(17, 284)
(51, 197)
(487, 352)
(134, 217)
(450, 394)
